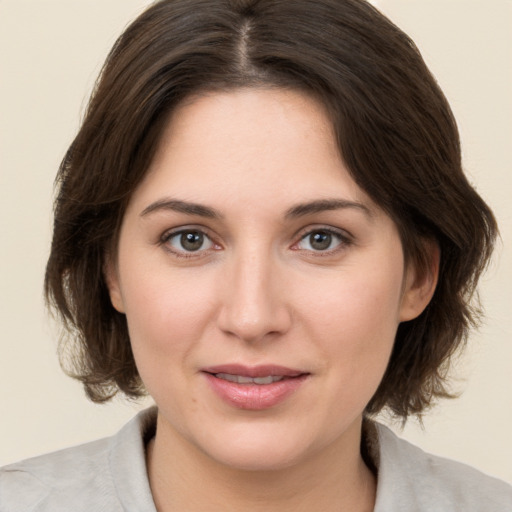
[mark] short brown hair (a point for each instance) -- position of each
(394, 128)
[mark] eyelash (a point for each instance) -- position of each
(344, 240)
(169, 235)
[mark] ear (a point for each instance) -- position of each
(420, 284)
(111, 274)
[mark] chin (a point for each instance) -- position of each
(258, 457)
(258, 448)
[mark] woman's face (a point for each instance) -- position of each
(262, 287)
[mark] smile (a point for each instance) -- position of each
(254, 388)
(242, 379)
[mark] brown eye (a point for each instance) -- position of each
(321, 240)
(189, 241)
(192, 241)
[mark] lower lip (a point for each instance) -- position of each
(255, 397)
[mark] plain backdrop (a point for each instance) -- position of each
(50, 54)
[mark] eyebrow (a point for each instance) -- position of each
(298, 210)
(182, 207)
(323, 205)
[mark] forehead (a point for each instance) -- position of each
(259, 144)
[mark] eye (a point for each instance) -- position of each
(322, 240)
(187, 241)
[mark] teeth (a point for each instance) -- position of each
(242, 379)
(227, 376)
(264, 380)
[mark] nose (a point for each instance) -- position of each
(253, 299)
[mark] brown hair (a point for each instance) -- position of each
(395, 131)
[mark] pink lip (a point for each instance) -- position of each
(254, 396)
(254, 371)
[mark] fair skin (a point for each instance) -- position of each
(249, 244)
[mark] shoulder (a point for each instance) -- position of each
(410, 479)
(88, 477)
(67, 473)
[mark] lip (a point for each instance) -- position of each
(254, 371)
(255, 397)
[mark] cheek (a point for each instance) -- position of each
(356, 304)
(166, 313)
(167, 318)
(355, 319)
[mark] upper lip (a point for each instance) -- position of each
(254, 371)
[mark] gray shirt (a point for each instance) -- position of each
(110, 475)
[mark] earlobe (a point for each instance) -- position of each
(112, 280)
(420, 284)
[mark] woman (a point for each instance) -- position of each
(264, 224)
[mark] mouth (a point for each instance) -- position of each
(242, 379)
(254, 388)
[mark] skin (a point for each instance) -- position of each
(259, 290)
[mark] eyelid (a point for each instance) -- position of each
(170, 233)
(344, 236)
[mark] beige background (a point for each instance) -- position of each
(50, 54)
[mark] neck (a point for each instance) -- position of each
(184, 478)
